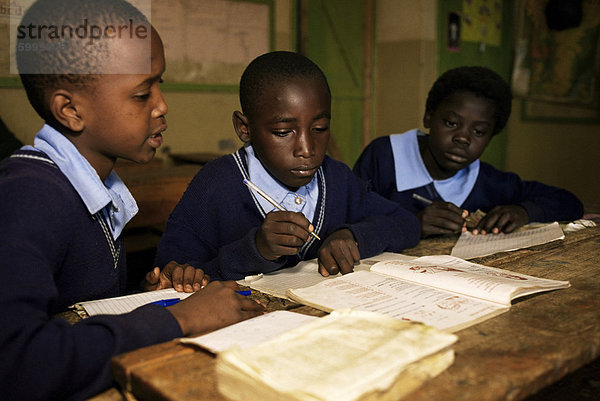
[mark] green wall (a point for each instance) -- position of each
(335, 41)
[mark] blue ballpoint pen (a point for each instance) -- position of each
(244, 293)
(166, 302)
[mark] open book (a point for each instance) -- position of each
(305, 274)
(442, 291)
(342, 356)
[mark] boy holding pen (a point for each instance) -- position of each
(63, 208)
(438, 176)
(318, 208)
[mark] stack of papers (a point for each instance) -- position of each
(347, 355)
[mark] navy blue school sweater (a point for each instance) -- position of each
(53, 253)
(543, 203)
(213, 227)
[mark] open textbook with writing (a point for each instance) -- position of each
(305, 274)
(468, 246)
(442, 291)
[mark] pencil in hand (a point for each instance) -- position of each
(272, 201)
(422, 199)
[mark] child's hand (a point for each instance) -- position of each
(184, 278)
(216, 305)
(442, 218)
(282, 233)
(338, 253)
(502, 219)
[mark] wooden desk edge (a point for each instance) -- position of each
(123, 365)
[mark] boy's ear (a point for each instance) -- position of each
(240, 124)
(427, 120)
(64, 110)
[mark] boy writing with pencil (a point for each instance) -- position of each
(438, 176)
(318, 208)
(63, 208)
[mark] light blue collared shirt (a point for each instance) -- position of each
(304, 200)
(111, 197)
(411, 171)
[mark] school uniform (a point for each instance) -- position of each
(214, 225)
(61, 243)
(395, 169)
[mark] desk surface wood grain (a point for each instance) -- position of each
(541, 339)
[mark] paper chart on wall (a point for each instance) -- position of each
(206, 41)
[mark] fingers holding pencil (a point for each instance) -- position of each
(275, 204)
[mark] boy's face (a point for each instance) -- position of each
(289, 130)
(459, 130)
(124, 115)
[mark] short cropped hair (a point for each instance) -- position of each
(481, 81)
(51, 52)
(272, 69)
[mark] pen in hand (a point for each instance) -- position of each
(173, 301)
(166, 302)
(272, 201)
(428, 202)
(422, 199)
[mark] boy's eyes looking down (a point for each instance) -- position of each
(285, 132)
(481, 131)
(145, 93)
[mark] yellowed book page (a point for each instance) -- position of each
(402, 300)
(475, 280)
(471, 246)
(342, 356)
(305, 274)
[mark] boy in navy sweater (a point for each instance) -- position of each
(230, 231)
(465, 108)
(63, 208)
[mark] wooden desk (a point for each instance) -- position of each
(542, 338)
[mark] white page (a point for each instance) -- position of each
(373, 292)
(471, 246)
(475, 280)
(127, 303)
(306, 274)
(250, 332)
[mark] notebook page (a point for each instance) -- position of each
(471, 246)
(127, 303)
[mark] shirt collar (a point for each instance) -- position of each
(96, 195)
(303, 200)
(407, 158)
